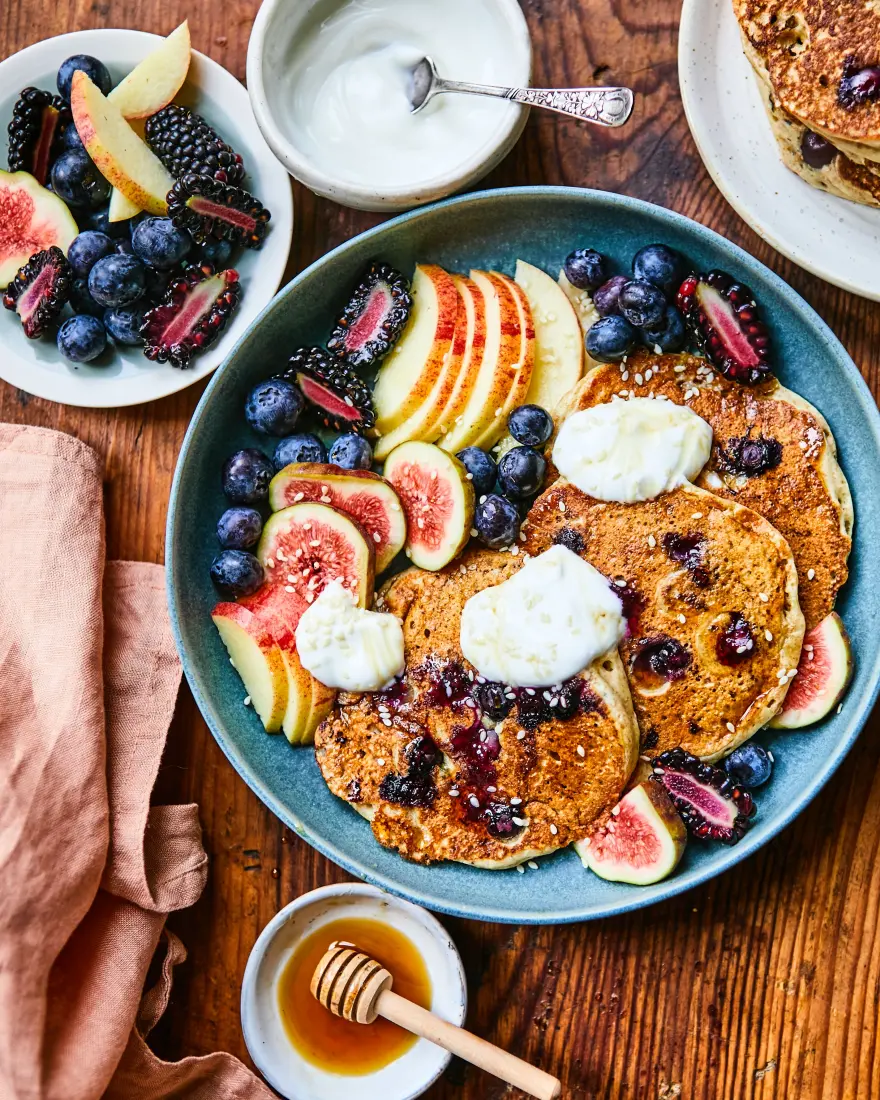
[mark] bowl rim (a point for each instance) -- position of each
(642, 896)
(111, 392)
(363, 196)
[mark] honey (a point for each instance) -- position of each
(337, 1045)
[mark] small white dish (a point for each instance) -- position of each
(129, 378)
(273, 36)
(833, 238)
(275, 1056)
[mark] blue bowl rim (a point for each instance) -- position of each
(641, 896)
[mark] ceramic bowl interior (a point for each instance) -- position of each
(280, 1062)
(492, 229)
(123, 376)
(274, 38)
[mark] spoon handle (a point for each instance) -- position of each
(602, 106)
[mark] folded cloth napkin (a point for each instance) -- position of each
(88, 868)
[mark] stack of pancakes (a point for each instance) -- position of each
(805, 56)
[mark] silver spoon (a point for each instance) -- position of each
(603, 106)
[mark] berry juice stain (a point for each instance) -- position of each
(337, 1045)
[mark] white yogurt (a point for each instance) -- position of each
(348, 77)
(545, 624)
(346, 647)
(632, 450)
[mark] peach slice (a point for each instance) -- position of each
(257, 659)
(559, 341)
(155, 82)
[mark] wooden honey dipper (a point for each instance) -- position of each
(357, 988)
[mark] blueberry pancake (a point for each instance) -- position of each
(710, 593)
(772, 452)
(445, 766)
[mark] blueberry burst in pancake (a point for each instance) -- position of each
(772, 451)
(710, 591)
(448, 766)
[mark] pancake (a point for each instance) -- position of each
(805, 496)
(710, 591)
(400, 757)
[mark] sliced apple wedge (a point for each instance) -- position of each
(296, 723)
(472, 357)
(481, 418)
(124, 159)
(559, 341)
(323, 699)
(153, 83)
(257, 659)
(121, 208)
(408, 374)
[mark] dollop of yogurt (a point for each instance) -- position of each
(632, 450)
(346, 647)
(545, 624)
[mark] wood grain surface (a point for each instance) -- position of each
(764, 983)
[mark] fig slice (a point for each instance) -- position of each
(32, 220)
(437, 499)
(364, 496)
(641, 843)
(823, 675)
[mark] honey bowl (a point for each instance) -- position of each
(303, 1051)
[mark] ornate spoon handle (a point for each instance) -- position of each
(602, 106)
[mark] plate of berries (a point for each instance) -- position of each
(144, 222)
(396, 440)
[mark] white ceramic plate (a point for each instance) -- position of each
(835, 239)
(128, 378)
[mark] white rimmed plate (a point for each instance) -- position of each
(833, 238)
(126, 377)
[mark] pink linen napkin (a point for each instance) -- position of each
(89, 869)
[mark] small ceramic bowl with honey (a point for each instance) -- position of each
(304, 1051)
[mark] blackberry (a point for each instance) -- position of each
(341, 398)
(492, 700)
(750, 457)
(37, 120)
(185, 143)
(206, 208)
(710, 803)
(726, 323)
(374, 318)
(39, 290)
(571, 539)
(192, 314)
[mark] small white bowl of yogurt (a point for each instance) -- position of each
(329, 86)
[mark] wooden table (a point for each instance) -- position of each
(765, 982)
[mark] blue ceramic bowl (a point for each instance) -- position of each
(491, 230)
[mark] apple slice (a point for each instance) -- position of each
(559, 341)
(525, 366)
(481, 418)
(424, 423)
(475, 345)
(298, 713)
(121, 208)
(257, 659)
(408, 375)
(323, 699)
(119, 154)
(153, 83)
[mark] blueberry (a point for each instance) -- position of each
(299, 448)
(86, 249)
(82, 338)
(669, 335)
(606, 298)
(236, 573)
(642, 304)
(82, 301)
(124, 324)
(239, 528)
(521, 472)
(216, 253)
(531, 425)
(497, 522)
(352, 452)
(123, 247)
(661, 265)
(94, 69)
(100, 220)
(246, 476)
(749, 765)
(76, 180)
(610, 338)
(481, 467)
(159, 244)
(117, 280)
(273, 407)
(70, 139)
(585, 268)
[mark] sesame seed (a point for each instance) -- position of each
(731, 727)
(652, 542)
(625, 376)
(648, 374)
(377, 537)
(682, 619)
(553, 830)
(469, 477)
(696, 515)
(520, 736)
(270, 562)
(289, 588)
(520, 869)
(454, 792)
(639, 379)
(491, 790)
(839, 707)
(562, 506)
(297, 497)
(615, 811)
(768, 635)
(533, 865)
(380, 760)
(515, 801)
(581, 751)
(247, 700)
(763, 597)
(474, 801)
(811, 573)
